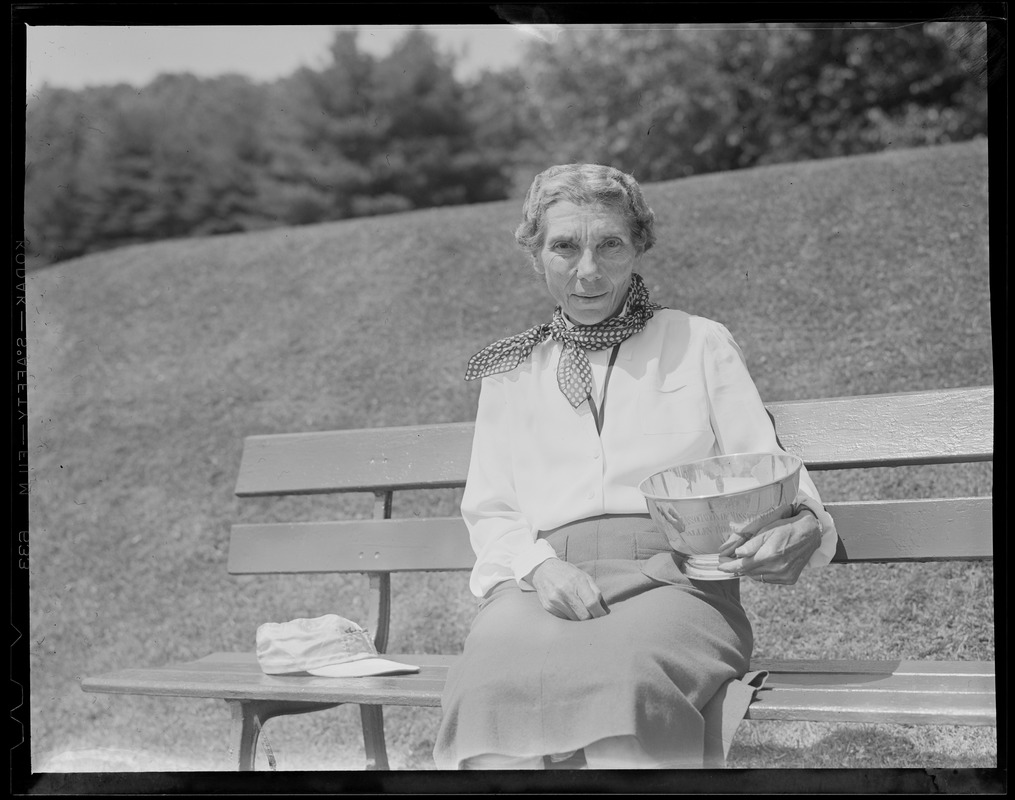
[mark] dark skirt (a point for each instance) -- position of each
(662, 666)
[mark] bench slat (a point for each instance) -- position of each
(956, 692)
(914, 530)
(394, 545)
(846, 682)
(381, 459)
(857, 668)
(245, 681)
(803, 667)
(896, 530)
(926, 708)
(937, 427)
(942, 426)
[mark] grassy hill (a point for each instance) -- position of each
(149, 364)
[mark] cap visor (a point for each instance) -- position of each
(363, 668)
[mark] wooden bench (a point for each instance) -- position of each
(930, 427)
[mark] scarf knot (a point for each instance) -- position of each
(574, 372)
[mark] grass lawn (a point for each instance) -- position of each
(149, 364)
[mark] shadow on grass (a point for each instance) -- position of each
(824, 746)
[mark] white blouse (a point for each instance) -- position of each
(679, 391)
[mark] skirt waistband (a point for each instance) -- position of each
(603, 523)
(607, 536)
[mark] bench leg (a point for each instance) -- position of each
(246, 731)
(373, 736)
(249, 717)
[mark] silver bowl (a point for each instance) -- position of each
(699, 505)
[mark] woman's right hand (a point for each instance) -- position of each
(566, 591)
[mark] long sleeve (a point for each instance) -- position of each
(741, 423)
(504, 540)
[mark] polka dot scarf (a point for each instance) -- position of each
(574, 372)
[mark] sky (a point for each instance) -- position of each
(76, 56)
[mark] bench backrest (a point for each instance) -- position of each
(911, 428)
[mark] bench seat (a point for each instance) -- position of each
(925, 692)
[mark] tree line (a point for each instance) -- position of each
(364, 135)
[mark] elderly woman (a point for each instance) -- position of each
(594, 645)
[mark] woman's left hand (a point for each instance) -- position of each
(778, 552)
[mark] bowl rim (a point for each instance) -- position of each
(794, 472)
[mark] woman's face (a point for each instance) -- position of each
(588, 256)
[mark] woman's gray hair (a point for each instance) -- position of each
(584, 184)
